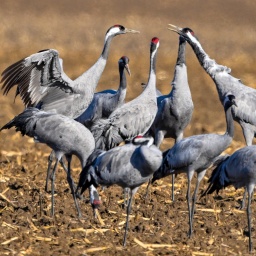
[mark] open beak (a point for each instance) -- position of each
(127, 30)
(175, 28)
(127, 69)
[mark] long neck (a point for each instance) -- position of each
(209, 65)
(151, 85)
(123, 82)
(181, 59)
(92, 76)
(230, 122)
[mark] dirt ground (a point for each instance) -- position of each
(158, 226)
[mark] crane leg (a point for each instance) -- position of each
(50, 159)
(249, 217)
(173, 179)
(243, 200)
(147, 190)
(71, 185)
(53, 181)
(190, 175)
(128, 211)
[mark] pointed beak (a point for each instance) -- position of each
(235, 103)
(127, 69)
(127, 30)
(175, 28)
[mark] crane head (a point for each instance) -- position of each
(155, 42)
(143, 140)
(119, 29)
(187, 33)
(124, 61)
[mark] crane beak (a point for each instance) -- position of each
(127, 30)
(174, 28)
(127, 69)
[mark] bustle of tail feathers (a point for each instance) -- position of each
(99, 129)
(84, 175)
(218, 179)
(24, 122)
(162, 171)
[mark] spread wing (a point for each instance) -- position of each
(36, 77)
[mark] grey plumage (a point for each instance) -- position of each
(64, 135)
(176, 108)
(41, 81)
(225, 83)
(132, 118)
(238, 170)
(196, 154)
(128, 166)
(105, 102)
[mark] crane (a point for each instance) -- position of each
(128, 166)
(225, 83)
(105, 102)
(196, 154)
(42, 82)
(134, 117)
(176, 108)
(238, 170)
(64, 135)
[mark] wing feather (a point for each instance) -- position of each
(37, 76)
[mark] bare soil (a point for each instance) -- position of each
(158, 226)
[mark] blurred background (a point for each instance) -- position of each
(226, 30)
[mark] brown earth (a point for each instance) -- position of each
(158, 226)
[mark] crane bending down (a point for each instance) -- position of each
(132, 118)
(245, 113)
(105, 102)
(196, 154)
(128, 166)
(64, 135)
(176, 108)
(238, 170)
(42, 83)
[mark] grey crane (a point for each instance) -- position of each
(176, 108)
(128, 166)
(105, 102)
(196, 154)
(64, 135)
(238, 170)
(134, 117)
(42, 83)
(225, 83)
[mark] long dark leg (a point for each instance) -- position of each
(173, 179)
(132, 193)
(71, 185)
(126, 196)
(53, 181)
(147, 190)
(50, 159)
(243, 200)
(199, 178)
(249, 218)
(190, 175)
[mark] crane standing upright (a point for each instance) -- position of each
(196, 154)
(176, 108)
(42, 83)
(245, 113)
(128, 166)
(64, 135)
(134, 117)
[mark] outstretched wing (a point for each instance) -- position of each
(36, 76)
